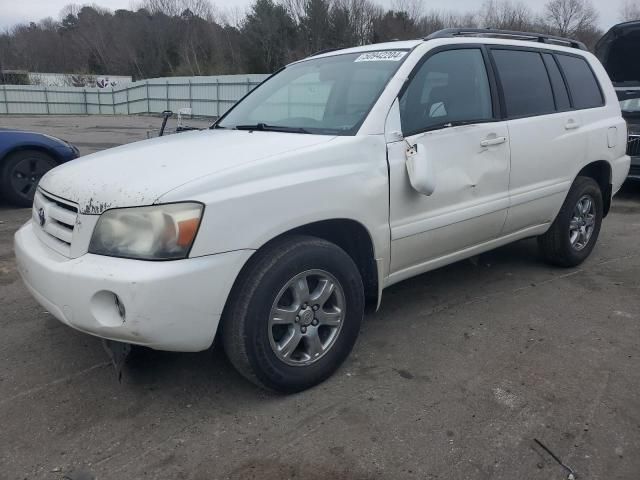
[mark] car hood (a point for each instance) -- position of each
(139, 173)
(619, 50)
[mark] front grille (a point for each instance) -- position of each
(56, 218)
(633, 146)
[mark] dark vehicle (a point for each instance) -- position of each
(619, 51)
(24, 158)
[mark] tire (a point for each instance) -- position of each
(20, 173)
(255, 338)
(560, 246)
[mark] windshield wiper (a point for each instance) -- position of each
(263, 127)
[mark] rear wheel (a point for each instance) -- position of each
(294, 314)
(574, 232)
(20, 173)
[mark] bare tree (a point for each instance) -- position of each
(175, 8)
(295, 8)
(630, 10)
(363, 13)
(569, 17)
(414, 9)
(505, 15)
(189, 37)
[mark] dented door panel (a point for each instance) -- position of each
(470, 201)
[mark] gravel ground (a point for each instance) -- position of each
(452, 379)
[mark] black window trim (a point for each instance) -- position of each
(553, 88)
(603, 98)
(496, 107)
(566, 83)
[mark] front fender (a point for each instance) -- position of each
(248, 206)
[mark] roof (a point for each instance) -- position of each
(462, 35)
(397, 45)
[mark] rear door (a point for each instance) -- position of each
(545, 133)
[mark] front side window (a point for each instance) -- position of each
(584, 87)
(525, 83)
(329, 95)
(450, 87)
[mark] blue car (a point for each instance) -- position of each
(24, 158)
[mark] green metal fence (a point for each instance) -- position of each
(206, 96)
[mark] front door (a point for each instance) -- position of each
(449, 108)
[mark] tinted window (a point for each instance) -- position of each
(525, 83)
(451, 86)
(559, 88)
(584, 87)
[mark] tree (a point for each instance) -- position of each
(630, 10)
(569, 17)
(268, 36)
(189, 37)
(506, 15)
(314, 25)
(395, 25)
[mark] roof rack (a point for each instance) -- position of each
(489, 32)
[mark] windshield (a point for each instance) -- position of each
(330, 95)
(629, 101)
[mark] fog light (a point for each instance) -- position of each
(108, 309)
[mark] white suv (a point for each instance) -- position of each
(340, 175)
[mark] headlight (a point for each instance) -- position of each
(159, 232)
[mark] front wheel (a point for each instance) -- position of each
(294, 314)
(575, 230)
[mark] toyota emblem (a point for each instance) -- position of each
(41, 216)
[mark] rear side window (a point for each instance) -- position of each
(525, 83)
(559, 88)
(584, 87)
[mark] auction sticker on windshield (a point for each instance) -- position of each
(384, 56)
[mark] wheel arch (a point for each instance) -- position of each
(35, 148)
(350, 235)
(354, 238)
(601, 172)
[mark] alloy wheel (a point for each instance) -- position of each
(582, 223)
(306, 317)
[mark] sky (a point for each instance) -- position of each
(16, 11)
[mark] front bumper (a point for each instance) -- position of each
(173, 305)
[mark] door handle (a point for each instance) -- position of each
(493, 141)
(571, 125)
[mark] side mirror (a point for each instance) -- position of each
(166, 115)
(421, 170)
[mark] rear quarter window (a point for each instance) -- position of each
(584, 87)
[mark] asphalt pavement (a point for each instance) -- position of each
(455, 376)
